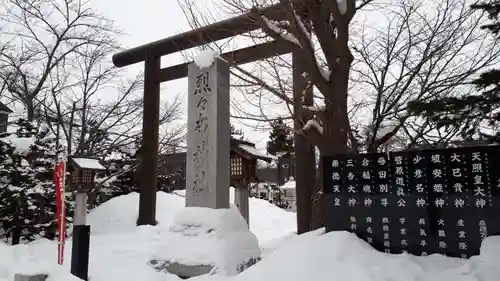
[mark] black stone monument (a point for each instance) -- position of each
(420, 202)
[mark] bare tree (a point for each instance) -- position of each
(427, 49)
(319, 32)
(43, 35)
(418, 49)
(101, 112)
(57, 65)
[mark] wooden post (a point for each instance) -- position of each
(241, 200)
(305, 161)
(149, 148)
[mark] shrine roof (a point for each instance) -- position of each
(88, 163)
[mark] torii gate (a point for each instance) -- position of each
(151, 54)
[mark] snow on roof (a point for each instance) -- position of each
(289, 185)
(205, 58)
(254, 151)
(87, 163)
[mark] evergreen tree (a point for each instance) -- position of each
(120, 179)
(126, 180)
(280, 139)
(27, 189)
(470, 113)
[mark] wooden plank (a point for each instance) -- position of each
(237, 57)
(200, 36)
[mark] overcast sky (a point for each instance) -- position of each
(144, 21)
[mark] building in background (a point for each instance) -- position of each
(280, 173)
(289, 195)
(173, 167)
(266, 190)
(4, 117)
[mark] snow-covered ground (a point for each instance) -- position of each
(120, 251)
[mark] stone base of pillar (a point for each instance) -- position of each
(207, 241)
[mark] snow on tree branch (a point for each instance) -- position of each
(313, 124)
(315, 108)
(342, 5)
(274, 26)
(324, 72)
(303, 28)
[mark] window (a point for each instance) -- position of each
(76, 177)
(263, 195)
(87, 176)
(236, 166)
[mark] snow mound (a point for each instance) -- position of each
(343, 256)
(490, 251)
(312, 256)
(119, 215)
(210, 237)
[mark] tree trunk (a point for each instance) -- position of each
(334, 142)
(30, 110)
(305, 162)
(16, 231)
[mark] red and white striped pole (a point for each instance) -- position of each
(60, 181)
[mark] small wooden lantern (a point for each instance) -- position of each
(244, 158)
(84, 171)
(236, 165)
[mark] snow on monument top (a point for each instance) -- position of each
(205, 58)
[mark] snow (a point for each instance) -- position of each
(204, 236)
(343, 256)
(311, 256)
(288, 185)
(254, 151)
(205, 58)
(312, 123)
(87, 163)
(273, 26)
(342, 4)
(22, 145)
(490, 249)
(118, 215)
(325, 73)
(122, 252)
(316, 108)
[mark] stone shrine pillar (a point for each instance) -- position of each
(208, 140)
(207, 218)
